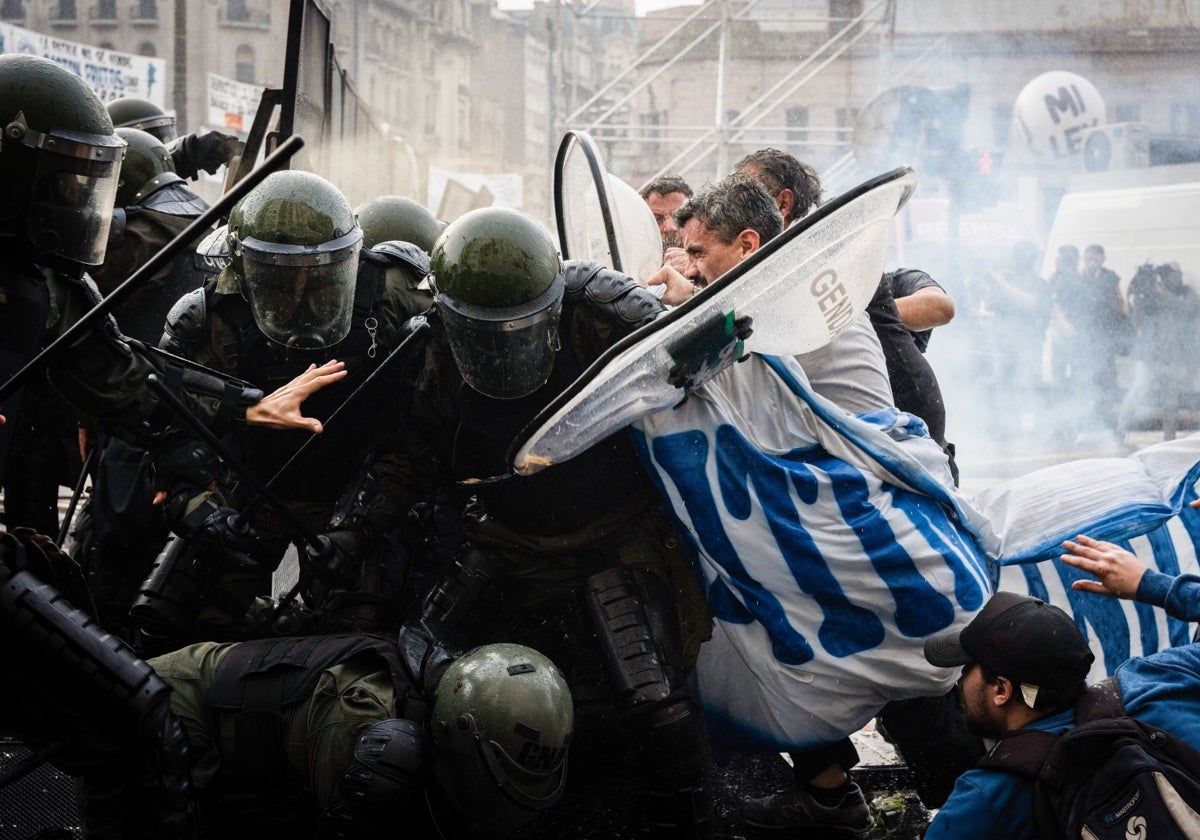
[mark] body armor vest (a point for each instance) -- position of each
(328, 465)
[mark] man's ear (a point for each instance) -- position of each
(749, 241)
(1002, 691)
(786, 201)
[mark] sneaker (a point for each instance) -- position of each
(797, 809)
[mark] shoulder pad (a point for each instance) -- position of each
(396, 252)
(186, 319)
(576, 273)
(175, 199)
(612, 293)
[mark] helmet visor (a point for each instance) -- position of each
(480, 791)
(161, 126)
(74, 191)
(505, 352)
(301, 296)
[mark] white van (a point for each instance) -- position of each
(1135, 225)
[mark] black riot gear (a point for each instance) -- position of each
(394, 218)
(294, 243)
(147, 167)
(499, 286)
(59, 160)
(143, 115)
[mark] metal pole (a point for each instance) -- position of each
(299, 526)
(720, 120)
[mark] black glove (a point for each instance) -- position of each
(336, 562)
(221, 532)
(187, 471)
(209, 152)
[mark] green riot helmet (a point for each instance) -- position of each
(393, 217)
(147, 167)
(294, 245)
(59, 160)
(501, 721)
(499, 287)
(144, 115)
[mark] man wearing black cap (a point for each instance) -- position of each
(1024, 665)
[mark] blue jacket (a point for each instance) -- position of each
(1162, 689)
(1179, 595)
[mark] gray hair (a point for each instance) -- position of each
(779, 171)
(732, 205)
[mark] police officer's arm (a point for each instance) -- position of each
(614, 305)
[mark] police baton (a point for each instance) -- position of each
(416, 325)
(167, 253)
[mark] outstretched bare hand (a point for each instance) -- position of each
(1118, 570)
(281, 409)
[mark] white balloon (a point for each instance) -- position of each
(1054, 111)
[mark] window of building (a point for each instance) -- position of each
(1185, 118)
(65, 10)
(12, 9)
(106, 10)
(147, 49)
(147, 9)
(243, 69)
(237, 11)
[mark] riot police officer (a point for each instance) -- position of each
(299, 289)
(577, 560)
(190, 153)
(59, 161)
(119, 531)
(396, 218)
(354, 735)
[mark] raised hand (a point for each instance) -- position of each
(281, 409)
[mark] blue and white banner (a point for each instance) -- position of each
(831, 546)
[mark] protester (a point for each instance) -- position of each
(1024, 666)
(664, 195)
(723, 224)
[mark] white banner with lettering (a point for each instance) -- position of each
(232, 104)
(110, 73)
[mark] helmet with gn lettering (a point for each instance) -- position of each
(499, 288)
(294, 245)
(501, 722)
(144, 115)
(394, 217)
(59, 160)
(147, 167)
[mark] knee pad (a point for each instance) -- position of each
(638, 635)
